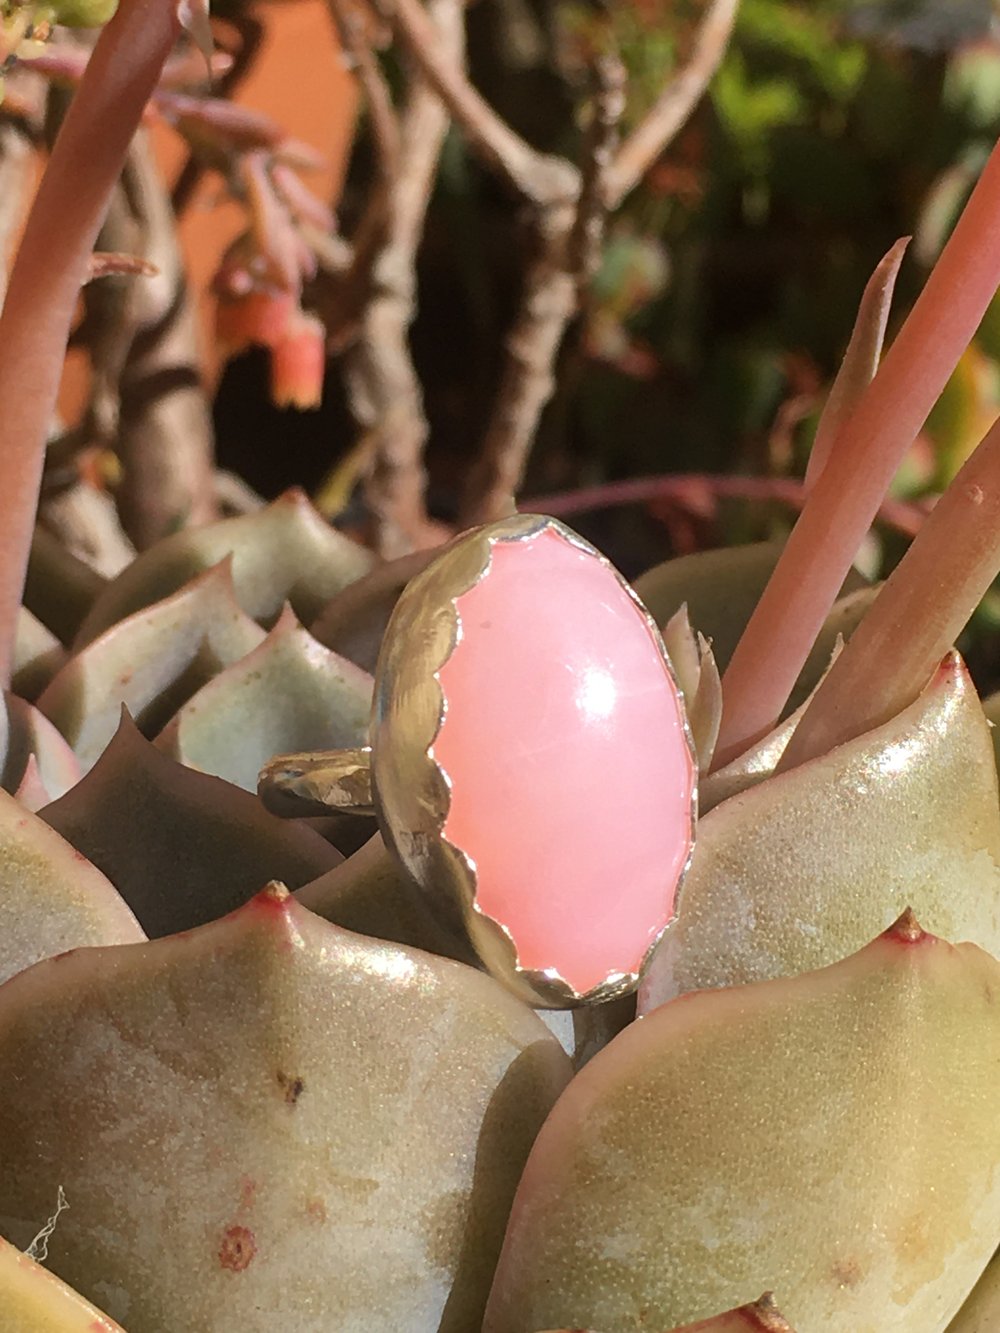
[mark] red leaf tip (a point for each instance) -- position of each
(274, 894)
(907, 929)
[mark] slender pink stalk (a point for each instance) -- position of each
(862, 462)
(698, 491)
(916, 617)
(52, 264)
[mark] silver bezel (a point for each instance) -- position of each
(412, 791)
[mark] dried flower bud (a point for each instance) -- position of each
(254, 318)
(298, 361)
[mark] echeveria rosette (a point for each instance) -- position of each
(164, 833)
(334, 1126)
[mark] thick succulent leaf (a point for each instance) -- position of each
(747, 769)
(51, 898)
(152, 663)
(981, 1312)
(25, 734)
(353, 622)
(762, 1316)
(697, 675)
(59, 589)
(289, 694)
(372, 893)
(31, 791)
(682, 649)
(33, 1300)
(991, 707)
(801, 869)
(721, 589)
(270, 1122)
(181, 847)
(286, 552)
(38, 655)
(832, 1134)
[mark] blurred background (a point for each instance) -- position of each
(727, 285)
(730, 279)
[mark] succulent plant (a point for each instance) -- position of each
(358, 971)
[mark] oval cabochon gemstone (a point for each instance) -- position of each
(566, 749)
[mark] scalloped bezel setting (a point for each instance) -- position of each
(413, 787)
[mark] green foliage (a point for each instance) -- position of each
(832, 129)
(84, 13)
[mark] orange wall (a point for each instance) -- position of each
(299, 78)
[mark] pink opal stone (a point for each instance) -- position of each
(572, 778)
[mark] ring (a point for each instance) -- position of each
(530, 761)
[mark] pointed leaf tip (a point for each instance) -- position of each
(762, 1316)
(768, 1315)
(861, 358)
(193, 16)
(907, 929)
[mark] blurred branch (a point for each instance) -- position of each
(537, 177)
(548, 303)
(345, 285)
(385, 392)
(701, 492)
(147, 401)
(569, 207)
(569, 233)
(378, 99)
(250, 32)
(672, 108)
(165, 439)
(611, 84)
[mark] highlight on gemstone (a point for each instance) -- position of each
(565, 746)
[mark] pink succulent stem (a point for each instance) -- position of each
(916, 617)
(863, 459)
(52, 264)
(698, 491)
